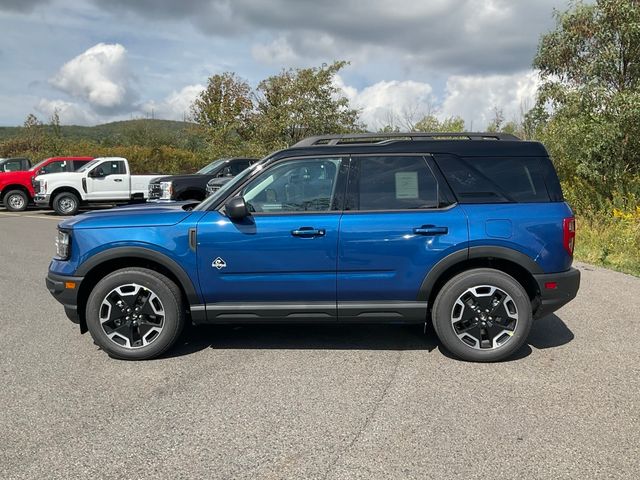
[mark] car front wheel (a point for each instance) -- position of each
(135, 314)
(482, 315)
(66, 203)
(16, 201)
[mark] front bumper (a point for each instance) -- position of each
(42, 200)
(556, 290)
(65, 290)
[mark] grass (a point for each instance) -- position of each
(611, 241)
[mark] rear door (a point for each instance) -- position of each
(399, 221)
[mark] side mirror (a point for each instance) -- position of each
(236, 208)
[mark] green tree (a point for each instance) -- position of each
(225, 110)
(590, 70)
(298, 103)
(430, 123)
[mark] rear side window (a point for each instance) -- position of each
(394, 183)
(79, 163)
(495, 179)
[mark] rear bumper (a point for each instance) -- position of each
(551, 299)
(42, 200)
(60, 287)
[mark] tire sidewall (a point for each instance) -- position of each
(61, 196)
(20, 193)
(173, 321)
(456, 287)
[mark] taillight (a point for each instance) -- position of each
(569, 234)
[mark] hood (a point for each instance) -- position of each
(177, 178)
(136, 215)
(50, 177)
(14, 176)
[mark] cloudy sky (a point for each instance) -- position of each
(102, 60)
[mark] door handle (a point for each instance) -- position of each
(117, 179)
(430, 230)
(308, 232)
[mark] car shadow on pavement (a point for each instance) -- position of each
(547, 332)
(304, 337)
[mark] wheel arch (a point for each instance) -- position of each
(108, 261)
(14, 186)
(517, 264)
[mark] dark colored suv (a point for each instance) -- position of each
(194, 186)
(467, 231)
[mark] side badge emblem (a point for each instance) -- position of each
(219, 263)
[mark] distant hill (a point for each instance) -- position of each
(114, 130)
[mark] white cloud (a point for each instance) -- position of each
(279, 52)
(176, 105)
(474, 97)
(99, 76)
(69, 113)
(390, 102)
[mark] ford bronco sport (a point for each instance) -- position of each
(467, 231)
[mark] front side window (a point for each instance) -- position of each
(303, 185)
(54, 167)
(394, 183)
(12, 165)
(110, 168)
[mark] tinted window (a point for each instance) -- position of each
(238, 166)
(54, 167)
(494, 179)
(79, 163)
(294, 186)
(395, 183)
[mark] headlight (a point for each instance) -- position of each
(167, 190)
(63, 245)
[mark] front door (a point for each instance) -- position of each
(108, 181)
(280, 262)
(397, 225)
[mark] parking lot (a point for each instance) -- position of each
(313, 402)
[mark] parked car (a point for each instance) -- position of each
(194, 186)
(14, 164)
(103, 180)
(17, 188)
(467, 231)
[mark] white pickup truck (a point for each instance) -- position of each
(103, 180)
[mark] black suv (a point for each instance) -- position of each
(194, 186)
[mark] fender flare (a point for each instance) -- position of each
(145, 253)
(459, 256)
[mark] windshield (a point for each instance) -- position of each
(212, 167)
(89, 165)
(38, 165)
(229, 186)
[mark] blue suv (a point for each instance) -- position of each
(467, 231)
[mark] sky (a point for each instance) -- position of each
(95, 61)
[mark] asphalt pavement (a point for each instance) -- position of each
(313, 402)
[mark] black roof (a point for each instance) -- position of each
(462, 144)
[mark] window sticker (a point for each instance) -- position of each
(406, 185)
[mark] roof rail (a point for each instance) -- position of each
(372, 138)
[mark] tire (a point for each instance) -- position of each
(16, 201)
(66, 203)
(472, 326)
(114, 327)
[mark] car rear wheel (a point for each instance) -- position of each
(482, 315)
(16, 201)
(66, 203)
(135, 314)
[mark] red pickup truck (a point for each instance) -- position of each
(16, 188)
